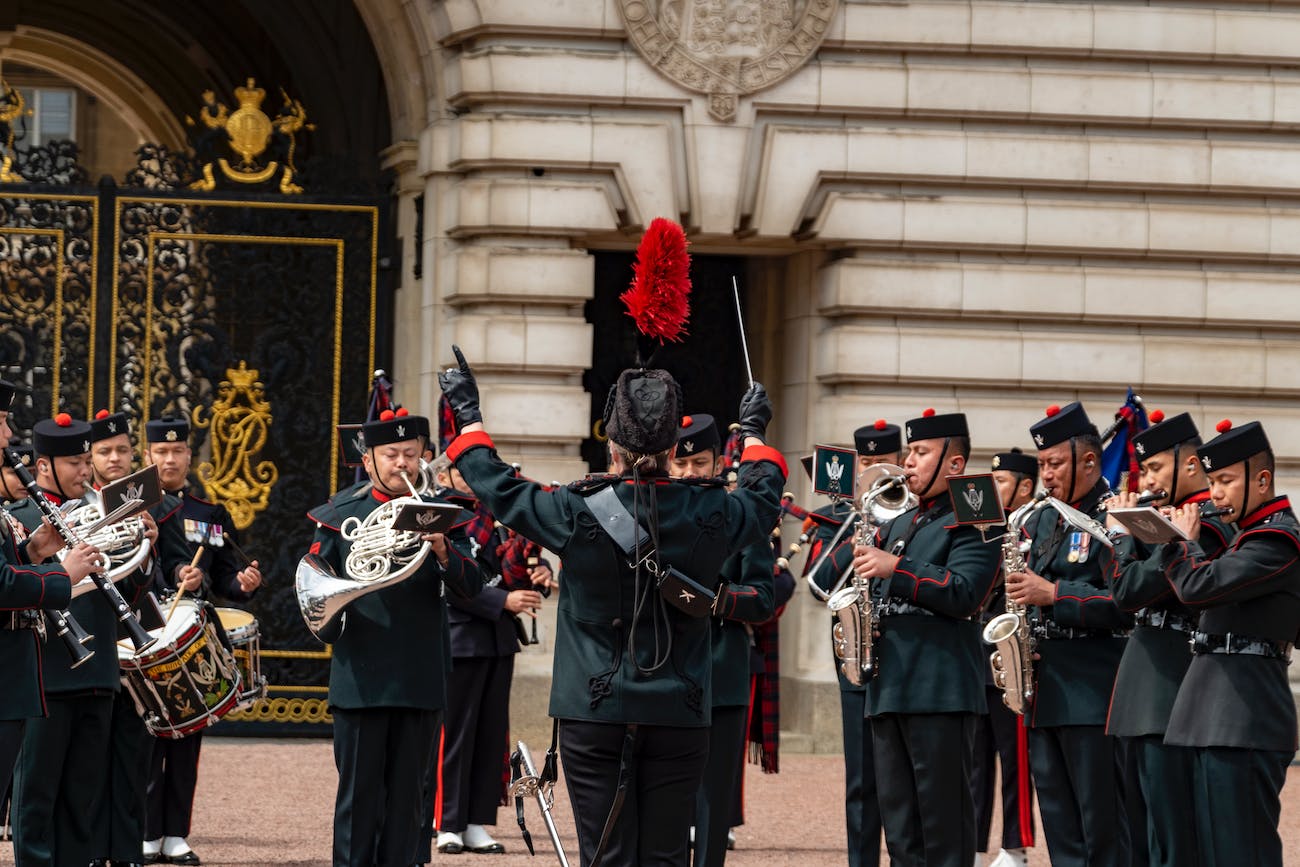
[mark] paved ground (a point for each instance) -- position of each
(264, 802)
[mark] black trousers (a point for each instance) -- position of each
(1077, 772)
(381, 755)
(714, 802)
(661, 767)
(61, 781)
(1238, 805)
(475, 742)
(923, 764)
(861, 801)
(123, 813)
(1165, 777)
(1134, 802)
(173, 777)
(11, 742)
(1000, 739)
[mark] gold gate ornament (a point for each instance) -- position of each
(240, 422)
(249, 131)
(727, 48)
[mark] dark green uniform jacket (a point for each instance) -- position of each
(95, 614)
(193, 521)
(700, 524)
(1159, 650)
(1075, 675)
(391, 650)
(748, 596)
(828, 571)
(23, 587)
(1251, 590)
(929, 656)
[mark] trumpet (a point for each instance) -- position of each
(887, 496)
(379, 557)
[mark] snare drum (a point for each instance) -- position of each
(187, 681)
(246, 645)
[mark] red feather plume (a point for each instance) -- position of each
(659, 297)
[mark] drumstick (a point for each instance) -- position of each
(194, 564)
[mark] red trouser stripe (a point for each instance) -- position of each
(1022, 786)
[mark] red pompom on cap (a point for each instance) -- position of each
(928, 413)
(1157, 416)
(1053, 410)
(881, 424)
(401, 412)
(687, 421)
(103, 413)
(387, 415)
(63, 420)
(1224, 426)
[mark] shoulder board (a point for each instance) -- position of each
(326, 515)
(714, 482)
(352, 492)
(197, 499)
(591, 484)
(165, 508)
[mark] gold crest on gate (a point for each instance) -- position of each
(249, 133)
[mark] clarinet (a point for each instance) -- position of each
(140, 639)
(64, 626)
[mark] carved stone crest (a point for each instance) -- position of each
(727, 48)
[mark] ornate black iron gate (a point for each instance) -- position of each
(258, 315)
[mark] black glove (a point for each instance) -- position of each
(755, 412)
(461, 391)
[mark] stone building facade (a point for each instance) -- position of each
(968, 204)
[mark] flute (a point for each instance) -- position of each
(140, 639)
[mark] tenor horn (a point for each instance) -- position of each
(123, 542)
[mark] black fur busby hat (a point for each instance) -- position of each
(642, 410)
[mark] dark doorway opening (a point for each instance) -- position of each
(709, 362)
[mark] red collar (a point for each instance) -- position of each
(379, 495)
(1198, 497)
(1270, 508)
(55, 498)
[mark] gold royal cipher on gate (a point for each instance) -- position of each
(240, 422)
(249, 132)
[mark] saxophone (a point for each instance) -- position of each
(1013, 660)
(887, 496)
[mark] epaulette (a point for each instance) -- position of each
(326, 516)
(592, 483)
(165, 508)
(351, 492)
(712, 482)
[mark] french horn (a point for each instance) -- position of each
(380, 557)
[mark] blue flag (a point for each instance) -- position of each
(1118, 457)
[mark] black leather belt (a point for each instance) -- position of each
(25, 619)
(893, 606)
(1166, 620)
(1241, 645)
(1050, 632)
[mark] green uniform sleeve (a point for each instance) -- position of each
(1258, 565)
(959, 586)
(751, 596)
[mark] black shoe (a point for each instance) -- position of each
(187, 858)
(99, 862)
(125, 864)
(157, 858)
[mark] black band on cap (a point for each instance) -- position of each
(62, 436)
(933, 427)
(698, 434)
(394, 427)
(1233, 446)
(108, 426)
(1164, 436)
(168, 429)
(1016, 462)
(878, 439)
(1061, 424)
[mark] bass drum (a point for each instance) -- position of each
(245, 644)
(188, 680)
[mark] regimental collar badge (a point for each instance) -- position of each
(727, 49)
